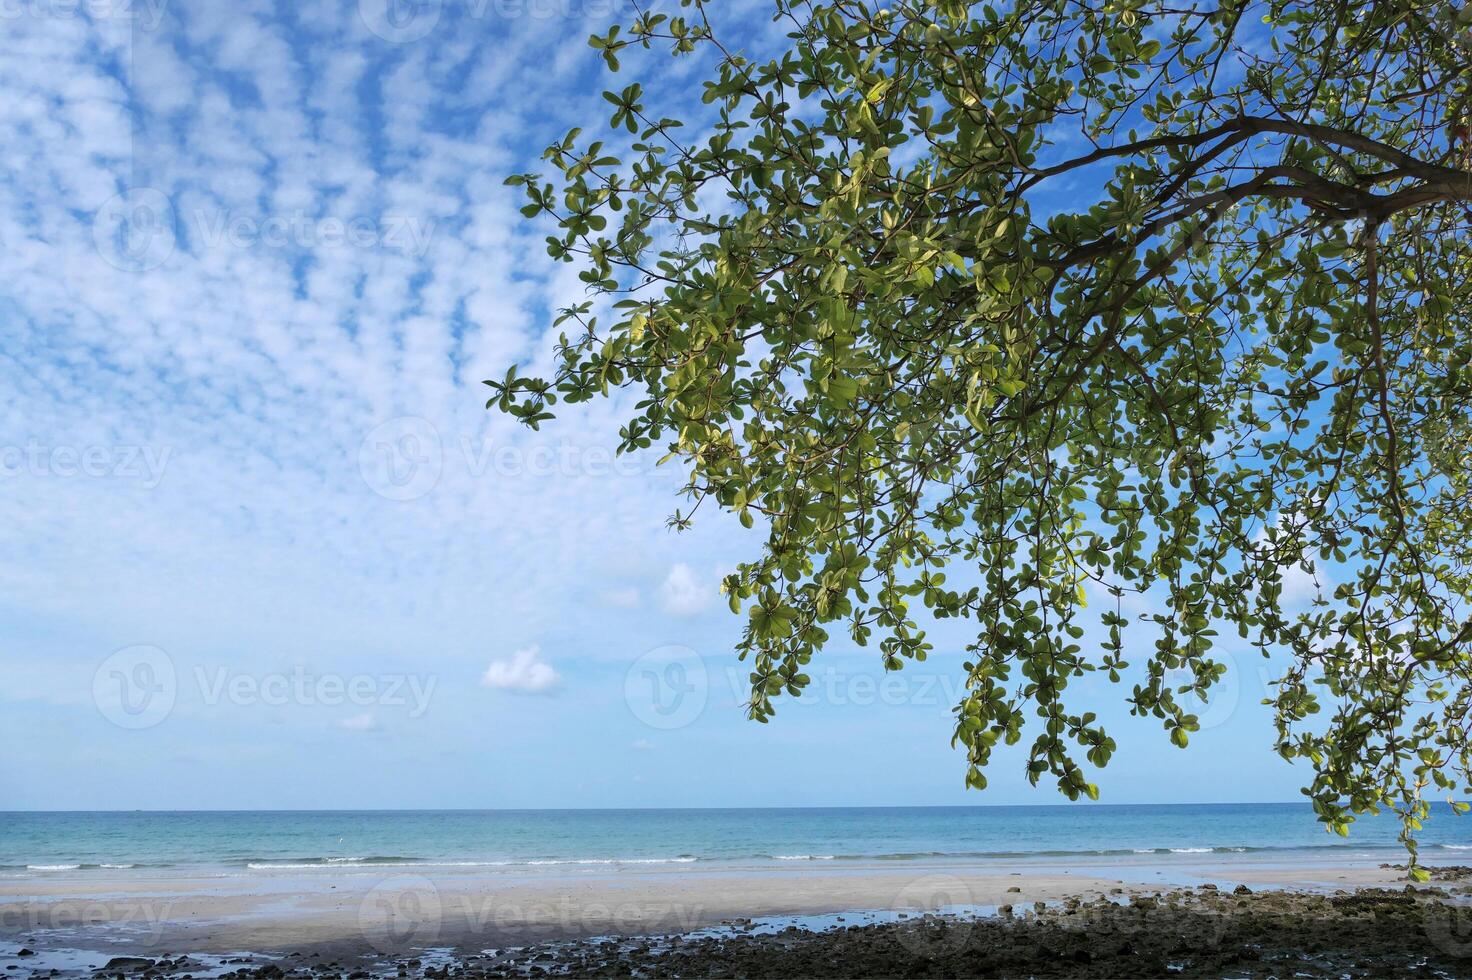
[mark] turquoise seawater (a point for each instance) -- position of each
(33, 844)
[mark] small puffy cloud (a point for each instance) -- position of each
(359, 723)
(1303, 585)
(524, 673)
(643, 745)
(684, 593)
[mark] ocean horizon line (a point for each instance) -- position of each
(1058, 805)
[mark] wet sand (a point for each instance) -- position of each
(1100, 921)
(404, 910)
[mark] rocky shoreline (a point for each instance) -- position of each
(1421, 931)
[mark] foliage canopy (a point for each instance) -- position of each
(1163, 305)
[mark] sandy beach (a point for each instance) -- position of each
(376, 921)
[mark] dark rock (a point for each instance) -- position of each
(126, 964)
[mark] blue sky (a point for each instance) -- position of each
(262, 545)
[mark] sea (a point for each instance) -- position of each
(235, 843)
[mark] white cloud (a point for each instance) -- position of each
(264, 349)
(1304, 582)
(643, 745)
(336, 255)
(524, 673)
(1303, 585)
(620, 598)
(684, 593)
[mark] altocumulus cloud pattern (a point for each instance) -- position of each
(258, 258)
